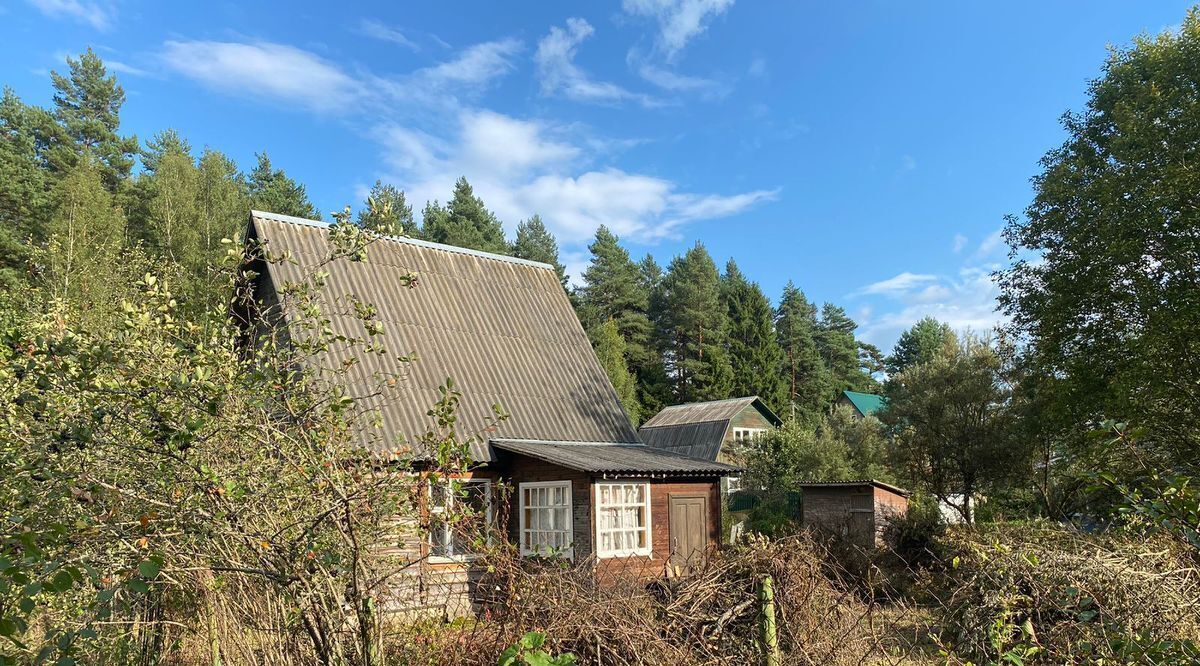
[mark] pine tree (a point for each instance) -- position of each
(754, 350)
(840, 352)
(272, 191)
(24, 191)
(610, 350)
(536, 243)
(692, 326)
(385, 211)
(804, 373)
(464, 222)
(87, 106)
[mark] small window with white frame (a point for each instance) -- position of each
(545, 518)
(747, 435)
(460, 512)
(733, 484)
(622, 519)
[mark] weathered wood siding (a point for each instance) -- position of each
(660, 528)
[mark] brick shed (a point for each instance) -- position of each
(858, 510)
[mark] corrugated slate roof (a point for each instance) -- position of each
(624, 459)
(699, 440)
(698, 428)
(866, 403)
(855, 482)
(501, 327)
(701, 412)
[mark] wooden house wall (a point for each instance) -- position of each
(660, 528)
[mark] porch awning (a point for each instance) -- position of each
(625, 459)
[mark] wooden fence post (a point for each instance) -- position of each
(770, 637)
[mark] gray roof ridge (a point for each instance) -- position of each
(560, 442)
(291, 219)
(649, 426)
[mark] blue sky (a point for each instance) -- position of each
(866, 150)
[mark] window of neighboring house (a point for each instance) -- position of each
(622, 519)
(460, 515)
(545, 516)
(745, 435)
(733, 484)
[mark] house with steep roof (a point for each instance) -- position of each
(583, 484)
(863, 404)
(712, 431)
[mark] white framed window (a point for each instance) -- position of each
(622, 519)
(460, 513)
(733, 484)
(545, 517)
(745, 435)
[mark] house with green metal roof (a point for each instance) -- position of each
(864, 404)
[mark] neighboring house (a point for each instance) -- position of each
(858, 510)
(863, 404)
(583, 485)
(711, 431)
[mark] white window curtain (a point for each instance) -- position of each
(622, 519)
(546, 521)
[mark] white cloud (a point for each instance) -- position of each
(265, 70)
(902, 283)
(674, 82)
(99, 15)
(960, 242)
(990, 244)
(966, 301)
(678, 20)
(559, 75)
(475, 66)
(522, 167)
(123, 68)
(758, 68)
(378, 30)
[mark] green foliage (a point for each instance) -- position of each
(805, 373)
(528, 652)
(464, 222)
(842, 353)
(866, 442)
(386, 211)
(273, 191)
(86, 232)
(919, 344)
(611, 352)
(536, 243)
(87, 106)
(1104, 288)
(755, 355)
(951, 419)
(692, 328)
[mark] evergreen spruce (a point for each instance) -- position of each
(804, 373)
(536, 243)
(272, 191)
(464, 222)
(692, 327)
(840, 352)
(754, 350)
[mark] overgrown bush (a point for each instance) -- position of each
(1048, 595)
(916, 536)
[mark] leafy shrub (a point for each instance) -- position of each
(1053, 596)
(916, 537)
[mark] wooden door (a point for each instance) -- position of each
(689, 531)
